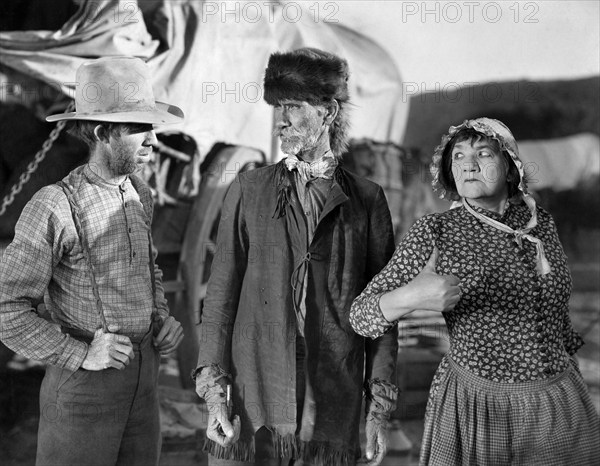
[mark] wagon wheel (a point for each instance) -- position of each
(199, 242)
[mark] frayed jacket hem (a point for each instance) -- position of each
(285, 446)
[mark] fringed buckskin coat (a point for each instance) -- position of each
(249, 325)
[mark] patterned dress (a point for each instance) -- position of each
(507, 391)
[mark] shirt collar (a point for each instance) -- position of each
(94, 178)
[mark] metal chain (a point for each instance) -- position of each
(34, 164)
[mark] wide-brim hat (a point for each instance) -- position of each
(489, 127)
(118, 90)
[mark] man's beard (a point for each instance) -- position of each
(293, 142)
(292, 145)
(121, 162)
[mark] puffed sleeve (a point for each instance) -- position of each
(410, 256)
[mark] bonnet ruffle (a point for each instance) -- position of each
(489, 127)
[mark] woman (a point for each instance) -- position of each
(508, 390)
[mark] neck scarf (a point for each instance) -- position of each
(542, 265)
(324, 167)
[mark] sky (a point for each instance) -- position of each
(439, 42)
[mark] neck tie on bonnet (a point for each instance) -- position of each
(499, 132)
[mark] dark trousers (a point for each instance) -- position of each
(102, 418)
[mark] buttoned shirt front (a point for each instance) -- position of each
(46, 253)
(312, 195)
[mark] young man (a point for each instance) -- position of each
(86, 240)
(297, 242)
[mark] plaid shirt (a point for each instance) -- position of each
(46, 254)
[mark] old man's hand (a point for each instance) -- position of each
(376, 433)
(219, 428)
(108, 350)
(168, 333)
(211, 384)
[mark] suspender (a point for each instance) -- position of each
(136, 183)
(76, 213)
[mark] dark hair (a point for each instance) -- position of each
(469, 134)
(84, 130)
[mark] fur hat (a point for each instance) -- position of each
(316, 77)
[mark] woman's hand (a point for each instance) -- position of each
(427, 291)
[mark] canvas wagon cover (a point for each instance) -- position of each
(209, 59)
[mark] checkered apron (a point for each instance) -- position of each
(474, 421)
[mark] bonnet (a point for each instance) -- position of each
(499, 132)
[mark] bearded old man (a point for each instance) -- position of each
(86, 240)
(297, 242)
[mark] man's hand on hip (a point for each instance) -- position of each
(169, 336)
(108, 350)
